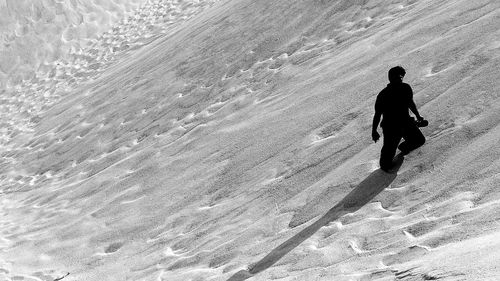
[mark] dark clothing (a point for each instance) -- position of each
(393, 102)
(413, 139)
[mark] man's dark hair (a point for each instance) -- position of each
(395, 72)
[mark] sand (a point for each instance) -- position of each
(234, 143)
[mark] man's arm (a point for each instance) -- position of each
(376, 117)
(414, 109)
(412, 105)
(376, 121)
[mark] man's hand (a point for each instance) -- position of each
(375, 136)
(421, 122)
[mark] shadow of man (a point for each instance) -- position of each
(357, 198)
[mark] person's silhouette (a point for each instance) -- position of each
(392, 104)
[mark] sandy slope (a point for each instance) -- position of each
(197, 156)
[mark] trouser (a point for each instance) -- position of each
(412, 136)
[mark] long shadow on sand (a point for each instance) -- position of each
(357, 198)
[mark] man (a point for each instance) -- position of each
(392, 104)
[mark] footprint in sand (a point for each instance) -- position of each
(424, 227)
(305, 56)
(438, 68)
(63, 127)
(278, 62)
(86, 155)
(164, 128)
(151, 131)
(459, 204)
(405, 255)
(84, 132)
(275, 175)
(333, 128)
(213, 108)
(113, 247)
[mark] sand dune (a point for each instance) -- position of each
(230, 140)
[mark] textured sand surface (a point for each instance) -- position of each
(234, 143)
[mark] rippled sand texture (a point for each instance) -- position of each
(77, 61)
(37, 32)
(197, 155)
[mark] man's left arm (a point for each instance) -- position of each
(413, 107)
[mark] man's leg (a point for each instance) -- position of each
(391, 141)
(413, 139)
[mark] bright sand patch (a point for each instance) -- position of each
(200, 152)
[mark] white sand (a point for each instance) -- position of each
(230, 143)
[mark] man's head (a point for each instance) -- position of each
(396, 74)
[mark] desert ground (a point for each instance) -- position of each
(231, 140)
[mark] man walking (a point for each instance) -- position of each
(392, 104)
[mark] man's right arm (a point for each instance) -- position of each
(376, 120)
(412, 105)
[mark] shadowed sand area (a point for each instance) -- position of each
(370, 187)
(195, 137)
